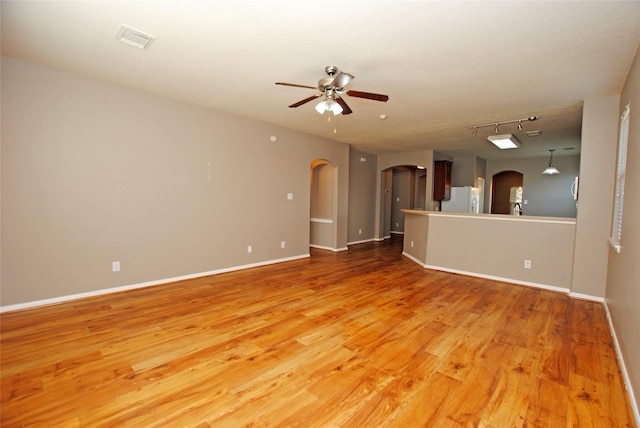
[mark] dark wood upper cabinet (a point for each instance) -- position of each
(442, 180)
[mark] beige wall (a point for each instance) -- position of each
(416, 227)
(94, 172)
(463, 171)
(494, 246)
(362, 195)
(623, 278)
(597, 170)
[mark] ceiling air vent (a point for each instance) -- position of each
(133, 37)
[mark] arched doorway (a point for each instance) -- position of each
(506, 193)
(323, 205)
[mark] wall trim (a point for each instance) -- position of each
(79, 296)
(364, 241)
(510, 280)
(500, 217)
(413, 259)
(499, 278)
(586, 297)
(321, 220)
(322, 247)
(623, 368)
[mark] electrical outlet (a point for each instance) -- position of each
(290, 196)
(249, 248)
(411, 244)
(359, 231)
(527, 264)
(282, 244)
(115, 267)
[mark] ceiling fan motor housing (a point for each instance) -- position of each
(331, 70)
(325, 83)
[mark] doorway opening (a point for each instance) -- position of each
(506, 193)
(404, 187)
(323, 205)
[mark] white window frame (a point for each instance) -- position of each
(616, 223)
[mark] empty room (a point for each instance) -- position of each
(356, 213)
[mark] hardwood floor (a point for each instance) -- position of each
(363, 338)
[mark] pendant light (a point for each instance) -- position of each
(550, 170)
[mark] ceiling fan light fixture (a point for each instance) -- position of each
(504, 141)
(332, 89)
(329, 105)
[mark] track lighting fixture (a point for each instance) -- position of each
(502, 122)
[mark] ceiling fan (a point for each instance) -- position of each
(333, 88)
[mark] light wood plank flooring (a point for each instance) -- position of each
(363, 338)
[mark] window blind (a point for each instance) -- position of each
(623, 136)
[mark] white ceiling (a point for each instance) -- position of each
(445, 65)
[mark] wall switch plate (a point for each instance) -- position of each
(359, 231)
(282, 244)
(115, 267)
(249, 248)
(527, 264)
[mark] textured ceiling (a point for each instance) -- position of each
(445, 65)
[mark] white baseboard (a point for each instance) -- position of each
(335, 250)
(586, 297)
(364, 241)
(511, 280)
(62, 299)
(413, 259)
(623, 367)
(557, 289)
(499, 278)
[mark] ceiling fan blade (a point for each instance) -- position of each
(341, 80)
(296, 85)
(306, 100)
(368, 95)
(345, 107)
